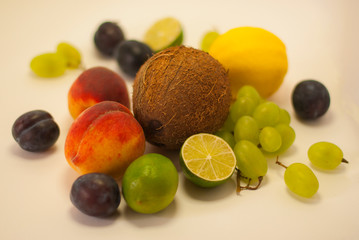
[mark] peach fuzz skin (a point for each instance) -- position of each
(95, 85)
(104, 138)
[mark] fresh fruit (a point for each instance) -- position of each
(326, 155)
(105, 138)
(266, 114)
(130, 56)
(287, 135)
(226, 136)
(150, 183)
(179, 92)
(270, 139)
(95, 85)
(164, 33)
(207, 160)
(95, 194)
(252, 56)
(301, 180)
(246, 128)
(241, 107)
(71, 54)
(310, 99)
(49, 65)
(208, 39)
(107, 37)
(250, 161)
(35, 131)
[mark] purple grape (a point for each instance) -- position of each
(130, 56)
(96, 194)
(35, 131)
(310, 99)
(107, 37)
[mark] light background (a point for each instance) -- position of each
(321, 39)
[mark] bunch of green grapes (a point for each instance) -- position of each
(256, 129)
(54, 64)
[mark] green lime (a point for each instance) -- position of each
(208, 39)
(150, 183)
(207, 160)
(164, 33)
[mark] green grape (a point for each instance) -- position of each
(287, 134)
(208, 39)
(241, 107)
(251, 92)
(48, 65)
(284, 116)
(250, 160)
(228, 125)
(326, 155)
(246, 128)
(270, 139)
(226, 136)
(266, 114)
(301, 180)
(71, 54)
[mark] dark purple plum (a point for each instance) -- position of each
(310, 99)
(107, 37)
(35, 131)
(131, 55)
(96, 194)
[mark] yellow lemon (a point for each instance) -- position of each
(252, 56)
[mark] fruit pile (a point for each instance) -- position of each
(181, 101)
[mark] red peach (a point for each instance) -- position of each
(104, 138)
(95, 85)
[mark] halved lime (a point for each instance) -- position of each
(207, 160)
(208, 39)
(166, 32)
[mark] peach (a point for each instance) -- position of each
(95, 85)
(104, 138)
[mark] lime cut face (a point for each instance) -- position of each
(166, 32)
(207, 160)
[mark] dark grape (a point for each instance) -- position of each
(107, 37)
(131, 54)
(96, 194)
(310, 99)
(35, 131)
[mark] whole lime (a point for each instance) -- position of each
(150, 183)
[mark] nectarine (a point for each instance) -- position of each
(95, 85)
(105, 138)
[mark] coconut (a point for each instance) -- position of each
(179, 92)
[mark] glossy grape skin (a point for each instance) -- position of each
(246, 128)
(35, 131)
(325, 155)
(130, 56)
(267, 114)
(310, 99)
(270, 139)
(107, 37)
(96, 194)
(48, 65)
(250, 160)
(301, 180)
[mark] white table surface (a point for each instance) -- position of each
(322, 43)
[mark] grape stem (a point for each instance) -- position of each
(247, 187)
(345, 161)
(279, 163)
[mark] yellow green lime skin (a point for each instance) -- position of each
(150, 183)
(164, 33)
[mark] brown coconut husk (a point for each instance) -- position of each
(179, 92)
